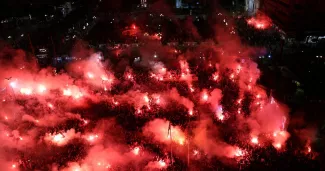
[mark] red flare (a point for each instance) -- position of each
(254, 140)
(205, 96)
(136, 151)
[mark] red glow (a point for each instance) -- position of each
(134, 26)
(158, 109)
(261, 22)
(215, 77)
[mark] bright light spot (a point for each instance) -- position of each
(221, 117)
(78, 95)
(239, 153)
(136, 151)
(232, 76)
(129, 76)
(115, 102)
(162, 163)
(26, 91)
(278, 145)
(50, 105)
(58, 138)
(41, 88)
(90, 75)
(309, 149)
(181, 141)
(274, 134)
(192, 89)
(205, 97)
(190, 112)
(215, 77)
(254, 140)
(104, 78)
(158, 100)
(92, 137)
(13, 166)
(67, 92)
(195, 152)
(146, 99)
(219, 113)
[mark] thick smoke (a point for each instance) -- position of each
(100, 115)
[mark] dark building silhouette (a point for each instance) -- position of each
(296, 17)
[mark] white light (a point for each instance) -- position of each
(13, 84)
(41, 88)
(42, 50)
(254, 140)
(136, 151)
(58, 137)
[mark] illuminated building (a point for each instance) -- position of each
(251, 6)
(178, 3)
(144, 3)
